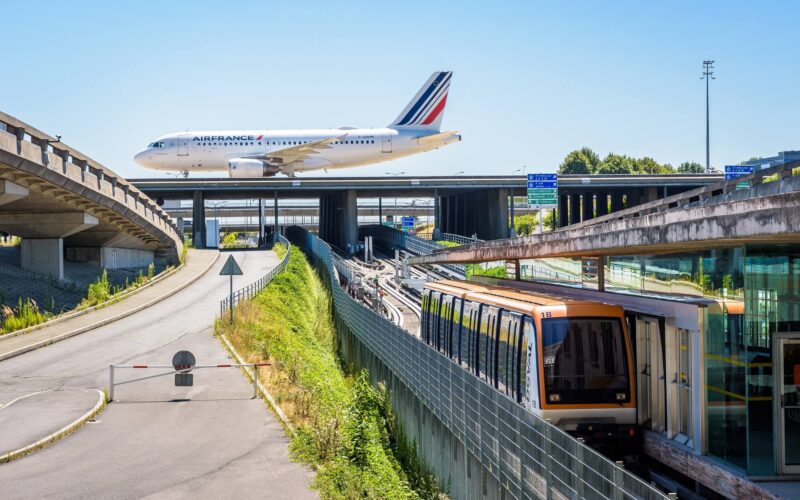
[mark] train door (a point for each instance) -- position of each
(650, 379)
(787, 404)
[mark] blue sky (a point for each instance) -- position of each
(532, 80)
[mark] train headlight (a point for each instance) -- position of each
(555, 398)
(621, 396)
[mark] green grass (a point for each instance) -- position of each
(493, 272)
(26, 314)
(102, 290)
(448, 244)
(345, 428)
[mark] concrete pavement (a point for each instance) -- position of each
(211, 439)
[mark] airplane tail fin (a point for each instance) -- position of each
(426, 109)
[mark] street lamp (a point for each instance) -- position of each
(708, 74)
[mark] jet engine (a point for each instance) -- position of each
(244, 167)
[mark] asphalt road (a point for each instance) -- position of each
(209, 440)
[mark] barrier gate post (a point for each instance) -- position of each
(110, 383)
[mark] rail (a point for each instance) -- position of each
(525, 456)
(252, 289)
(408, 242)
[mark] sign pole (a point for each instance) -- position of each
(541, 220)
(231, 300)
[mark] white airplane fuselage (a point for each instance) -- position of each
(214, 151)
(262, 153)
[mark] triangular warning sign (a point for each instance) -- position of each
(231, 268)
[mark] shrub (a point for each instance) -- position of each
(26, 314)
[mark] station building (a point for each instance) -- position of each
(717, 341)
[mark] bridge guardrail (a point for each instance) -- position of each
(250, 291)
(526, 456)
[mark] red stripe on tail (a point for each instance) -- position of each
(438, 109)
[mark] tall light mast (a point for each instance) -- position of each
(708, 74)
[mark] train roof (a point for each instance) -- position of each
(507, 298)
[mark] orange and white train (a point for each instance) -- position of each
(568, 361)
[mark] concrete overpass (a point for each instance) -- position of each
(715, 216)
(63, 205)
(462, 204)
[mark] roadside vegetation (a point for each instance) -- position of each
(343, 427)
(492, 271)
(102, 290)
(26, 313)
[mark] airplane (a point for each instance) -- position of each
(264, 153)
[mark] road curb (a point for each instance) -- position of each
(263, 390)
(124, 314)
(64, 431)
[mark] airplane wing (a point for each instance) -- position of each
(299, 152)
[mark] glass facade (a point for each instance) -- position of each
(749, 294)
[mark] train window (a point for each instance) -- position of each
(466, 346)
(487, 368)
(571, 375)
(445, 309)
(455, 328)
(423, 327)
(507, 347)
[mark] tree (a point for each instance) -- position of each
(648, 165)
(617, 164)
(691, 168)
(752, 159)
(580, 161)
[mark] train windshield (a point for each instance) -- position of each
(585, 361)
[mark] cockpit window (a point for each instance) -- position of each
(156, 144)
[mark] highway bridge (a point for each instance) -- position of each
(64, 204)
(462, 204)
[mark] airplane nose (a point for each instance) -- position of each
(142, 158)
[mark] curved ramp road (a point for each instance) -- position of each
(158, 440)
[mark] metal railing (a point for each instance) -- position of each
(252, 289)
(524, 456)
(407, 242)
(457, 238)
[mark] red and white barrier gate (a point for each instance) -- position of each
(176, 370)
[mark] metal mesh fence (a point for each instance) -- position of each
(252, 289)
(520, 455)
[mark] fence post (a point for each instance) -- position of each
(579, 485)
(548, 460)
(255, 381)
(110, 383)
(619, 487)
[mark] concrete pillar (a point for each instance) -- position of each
(650, 194)
(563, 210)
(275, 214)
(437, 216)
(574, 208)
(587, 206)
(602, 203)
(199, 219)
(616, 201)
(43, 256)
(380, 210)
(497, 210)
(512, 230)
(261, 236)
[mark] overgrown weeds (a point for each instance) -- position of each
(26, 314)
(345, 428)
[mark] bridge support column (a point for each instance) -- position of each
(380, 211)
(338, 220)
(616, 201)
(512, 230)
(261, 235)
(199, 219)
(437, 216)
(563, 210)
(634, 197)
(602, 203)
(574, 208)
(275, 215)
(587, 206)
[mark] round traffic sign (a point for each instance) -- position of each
(183, 360)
